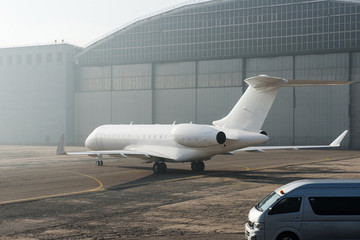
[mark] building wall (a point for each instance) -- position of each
(322, 112)
(355, 101)
(91, 110)
(36, 94)
(215, 103)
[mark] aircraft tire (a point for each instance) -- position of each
(197, 166)
(159, 168)
(163, 167)
(201, 166)
(156, 168)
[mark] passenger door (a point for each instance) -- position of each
(285, 214)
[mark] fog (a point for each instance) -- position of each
(77, 22)
(37, 81)
(35, 95)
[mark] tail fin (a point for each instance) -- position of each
(61, 147)
(250, 111)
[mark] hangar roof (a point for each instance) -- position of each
(206, 29)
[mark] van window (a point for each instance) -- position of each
(267, 201)
(287, 205)
(335, 205)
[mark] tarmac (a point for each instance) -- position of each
(45, 196)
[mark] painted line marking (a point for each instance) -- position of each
(99, 188)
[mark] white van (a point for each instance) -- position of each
(308, 210)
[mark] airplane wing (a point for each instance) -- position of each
(335, 143)
(138, 152)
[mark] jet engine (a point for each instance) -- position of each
(190, 135)
(263, 132)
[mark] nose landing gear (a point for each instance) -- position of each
(99, 162)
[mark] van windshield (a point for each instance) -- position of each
(268, 201)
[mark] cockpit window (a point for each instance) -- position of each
(267, 202)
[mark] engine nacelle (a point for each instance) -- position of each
(192, 135)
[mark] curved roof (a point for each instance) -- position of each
(231, 29)
(139, 20)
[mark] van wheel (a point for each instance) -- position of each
(287, 236)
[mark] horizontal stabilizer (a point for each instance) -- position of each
(335, 143)
(306, 83)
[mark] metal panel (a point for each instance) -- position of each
(321, 113)
(174, 105)
(175, 75)
(92, 109)
(279, 123)
(323, 67)
(355, 71)
(274, 66)
(136, 76)
(220, 73)
(132, 106)
(95, 79)
(355, 101)
(216, 103)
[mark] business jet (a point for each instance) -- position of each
(240, 130)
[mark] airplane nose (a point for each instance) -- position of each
(90, 142)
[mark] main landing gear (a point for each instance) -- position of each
(198, 166)
(159, 167)
(99, 162)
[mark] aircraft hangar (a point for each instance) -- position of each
(187, 64)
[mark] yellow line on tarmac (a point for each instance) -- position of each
(99, 188)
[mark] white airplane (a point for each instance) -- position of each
(240, 130)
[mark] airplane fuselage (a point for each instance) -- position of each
(178, 143)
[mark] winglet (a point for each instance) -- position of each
(338, 140)
(61, 147)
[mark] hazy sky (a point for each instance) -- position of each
(78, 22)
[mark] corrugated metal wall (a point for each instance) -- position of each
(321, 112)
(215, 103)
(174, 105)
(355, 101)
(131, 106)
(92, 109)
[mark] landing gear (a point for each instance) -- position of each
(159, 167)
(197, 166)
(99, 162)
